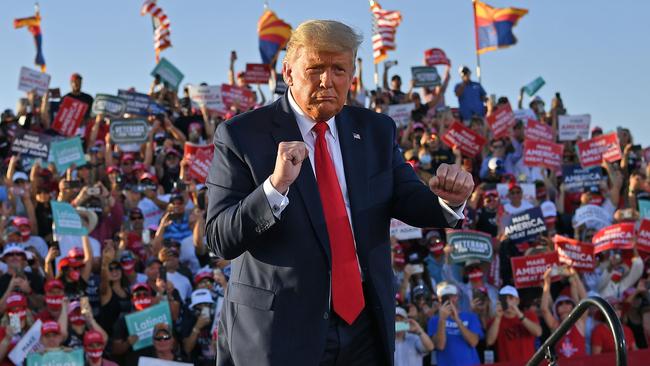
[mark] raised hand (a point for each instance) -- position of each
(452, 184)
(287, 164)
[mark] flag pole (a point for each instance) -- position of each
(376, 76)
(478, 55)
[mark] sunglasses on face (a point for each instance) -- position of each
(515, 192)
(136, 218)
(115, 268)
(165, 337)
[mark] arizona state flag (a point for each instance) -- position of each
(274, 34)
(493, 26)
(33, 24)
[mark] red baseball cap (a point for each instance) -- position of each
(52, 284)
(127, 156)
(75, 76)
(149, 176)
(16, 300)
(92, 336)
(50, 326)
(112, 169)
(140, 286)
(203, 275)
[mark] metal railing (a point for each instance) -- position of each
(547, 350)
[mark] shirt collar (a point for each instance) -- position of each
(305, 123)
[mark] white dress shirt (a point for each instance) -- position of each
(279, 202)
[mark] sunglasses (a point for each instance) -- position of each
(114, 268)
(136, 218)
(498, 146)
(515, 192)
(163, 338)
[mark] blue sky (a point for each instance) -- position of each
(596, 53)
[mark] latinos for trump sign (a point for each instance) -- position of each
(66, 219)
(57, 358)
(141, 323)
(593, 152)
(532, 87)
(525, 226)
(168, 73)
(543, 154)
(435, 56)
(573, 127)
(528, 271)
(67, 152)
(501, 121)
(33, 80)
(643, 236)
(576, 178)
(574, 253)
(469, 245)
(200, 158)
(129, 131)
(617, 236)
(538, 131)
(32, 144)
(109, 105)
(69, 117)
(469, 142)
(425, 76)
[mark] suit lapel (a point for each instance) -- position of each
(286, 129)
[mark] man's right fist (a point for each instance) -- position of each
(287, 164)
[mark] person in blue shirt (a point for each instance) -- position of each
(471, 96)
(455, 334)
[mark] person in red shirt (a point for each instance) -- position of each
(512, 331)
(602, 340)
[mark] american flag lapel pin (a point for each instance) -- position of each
(356, 136)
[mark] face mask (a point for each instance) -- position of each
(401, 327)
(94, 353)
(54, 302)
(74, 275)
(194, 136)
(77, 319)
(425, 159)
(25, 234)
(616, 277)
(142, 303)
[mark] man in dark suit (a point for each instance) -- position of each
(301, 193)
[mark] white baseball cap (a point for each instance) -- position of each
(201, 296)
(509, 290)
(399, 311)
(445, 288)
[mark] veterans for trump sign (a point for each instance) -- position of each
(574, 253)
(469, 245)
(528, 271)
(468, 141)
(525, 226)
(543, 154)
(593, 152)
(617, 236)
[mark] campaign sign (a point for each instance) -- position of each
(604, 147)
(525, 115)
(240, 98)
(129, 131)
(532, 87)
(68, 118)
(29, 343)
(572, 127)
(501, 121)
(141, 323)
(257, 73)
(75, 357)
(149, 361)
(469, 245)
(109, 105)
(67, 152)
(168, 73)
(31, 144)
(200, 158)
(525, 226)
(644, 208)
(577, 178)
(543, 154)
(591, 215)
(139, 104)
(33, 80)
(574, 253)
(528, 271)
(469, 142)
(66, 219)
(617, 236)
(435, 56)
(401, 113)
(208, 96)
(425, 76)
(402, 231)
(643, 236)
(538, 131)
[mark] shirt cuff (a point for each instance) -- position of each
(452, 215)
(277, 201)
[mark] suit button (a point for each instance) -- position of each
(326, 315)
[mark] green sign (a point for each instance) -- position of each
(57, 358)
(66, 152)
(644, 208)
(168, 73)
(425, 76)
(66, 219)
(469, 245)
(141, 323)
(532, 87)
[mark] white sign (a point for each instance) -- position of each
(402, 231)
(525, 115)
(528, 189)
(31, 79)
(148, 361)
(572, 127)
(208, 95)
(401, 113)
(27, 344)
(593, 216)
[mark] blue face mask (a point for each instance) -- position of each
(425, 159)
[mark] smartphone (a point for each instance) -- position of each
(504, 302)
(93, 191)
(476, 294)
(418, 268)
(444, 299)
(401, 326)
(84, 303)
(14, 323)
(55, 93)
(200, 198)
(146, 236)
(162, 273)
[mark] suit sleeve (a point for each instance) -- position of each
(238, 210)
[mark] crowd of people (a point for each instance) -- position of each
(145, 218)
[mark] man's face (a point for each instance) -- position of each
(515, 196)
(152, 271)
(319, 81)
(396, 84)
(498, 149)
(466, 76)
(75, 85)
(51, 340)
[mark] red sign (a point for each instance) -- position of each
(529, 271)
(617, 236)
(538, 131)
(543, 154)
(501, 121)
(469, 142)
(257, 73)
(435, 56)
(241, 98)
(593, 152)
(69, 117)
(643, 236)
(200, 158)
(574, 253)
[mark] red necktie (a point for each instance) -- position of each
(347, 294)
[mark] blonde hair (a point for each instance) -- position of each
(323, 35)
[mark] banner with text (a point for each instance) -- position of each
(574, 253)
(208, 96)
(617, 236)
(141, 323)
(643, 236)
(604, 147)
(200, 159)
(593, 216)
(532, 87)
(168, 73)
(401, 113)
(109, 105)
(66, 219)
(543, 154)
(148, 361)
(33, 80)
(644, 208)
(435, 56)
(469, 142)
(524, 226)
(528, 271)
(29, 343)
(139, 104)
(425, 76)
(257, 73)
(577, 178)
(402, 231)
(68, 118)
(234, 96)
(75, 357)
(31, 144)
(501, 121)
(129, 131)
(573, 127)
(67, 152)
(538, 131)
(469, 245)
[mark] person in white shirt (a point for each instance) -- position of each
(517, 204)
(169, 258)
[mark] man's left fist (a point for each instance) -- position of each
(452, 184)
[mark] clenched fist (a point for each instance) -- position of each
(452, 184)
(287, 164)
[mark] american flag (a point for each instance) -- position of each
(384, 26)
(160, 24)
